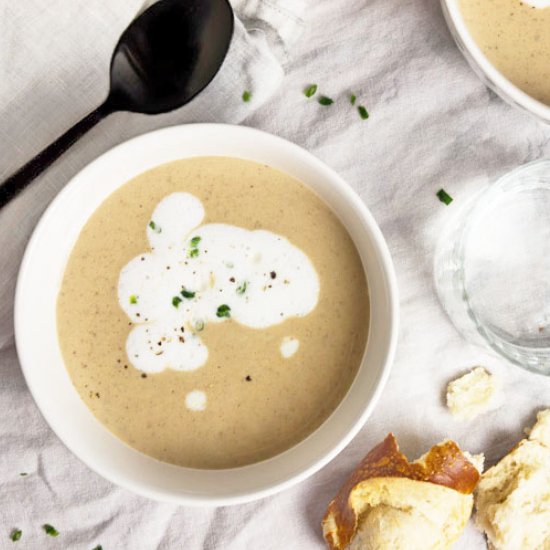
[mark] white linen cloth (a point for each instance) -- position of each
(432, 124)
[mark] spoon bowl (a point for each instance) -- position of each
(169, 54)
(165, 57)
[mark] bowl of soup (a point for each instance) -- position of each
(507, 43)
(206, 314)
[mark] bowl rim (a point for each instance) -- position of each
(388, 279)
(502, 86)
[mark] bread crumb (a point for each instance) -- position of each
(513, 497)
(477, 460)
(541, 430)
(471, 394)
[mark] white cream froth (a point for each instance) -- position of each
(538, 3)
(195, 400)
(289, 346)
(200, 274)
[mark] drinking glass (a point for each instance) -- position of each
(492, 267)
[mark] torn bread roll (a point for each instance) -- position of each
(471, 394)
(389, 503)
(513, 497)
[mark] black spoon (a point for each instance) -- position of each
(163, 59)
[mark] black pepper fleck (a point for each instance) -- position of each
(273, 275)
(144, 375)
(248, 378)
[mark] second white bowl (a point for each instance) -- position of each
(485, 70)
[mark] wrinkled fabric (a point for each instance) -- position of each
(432, 124)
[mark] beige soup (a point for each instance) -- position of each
(516, 38)
(259, 402)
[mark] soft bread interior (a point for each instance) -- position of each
(513, 497)
(405, 514)
(389, 503)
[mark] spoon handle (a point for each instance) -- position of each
(26, 174)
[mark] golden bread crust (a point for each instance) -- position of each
(444, 464)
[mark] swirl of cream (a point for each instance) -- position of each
(199, 274)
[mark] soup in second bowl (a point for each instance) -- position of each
(515, 37)
(213, 312)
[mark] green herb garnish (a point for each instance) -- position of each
(133, 299)
(187, 294)
(310, 90)
(156, 228)
(199, 325)
(23, 474)
(246, 96)
(176, 301)
(224, 311)
(50, 530)
(324, 100)
(363, 113)
(16, 534)
(193, 247)
(352, 99)
(98, 547)
(241, 289)
(444, 197)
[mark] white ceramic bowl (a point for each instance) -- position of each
(36, 336)
(485, 70)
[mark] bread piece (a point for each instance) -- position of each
(471, 394)
(513, 497)
(389, 503)
(541, 430)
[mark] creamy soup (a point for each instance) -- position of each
(515, 36)
(213, 312)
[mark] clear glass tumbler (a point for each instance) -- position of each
(492, 267)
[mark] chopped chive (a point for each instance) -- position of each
(241, 289)
(352, 99)
(199, 325)
(444, 197)
(246, 96)
(324, 100)
(16, 534)
(310, 90)
(176, 301)
(98, 547)
(363, 113)
(156, 228)
(50, 530)
(187, 294)
(23, 474)
(133, 299)
(223, 311)
(193, 251)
